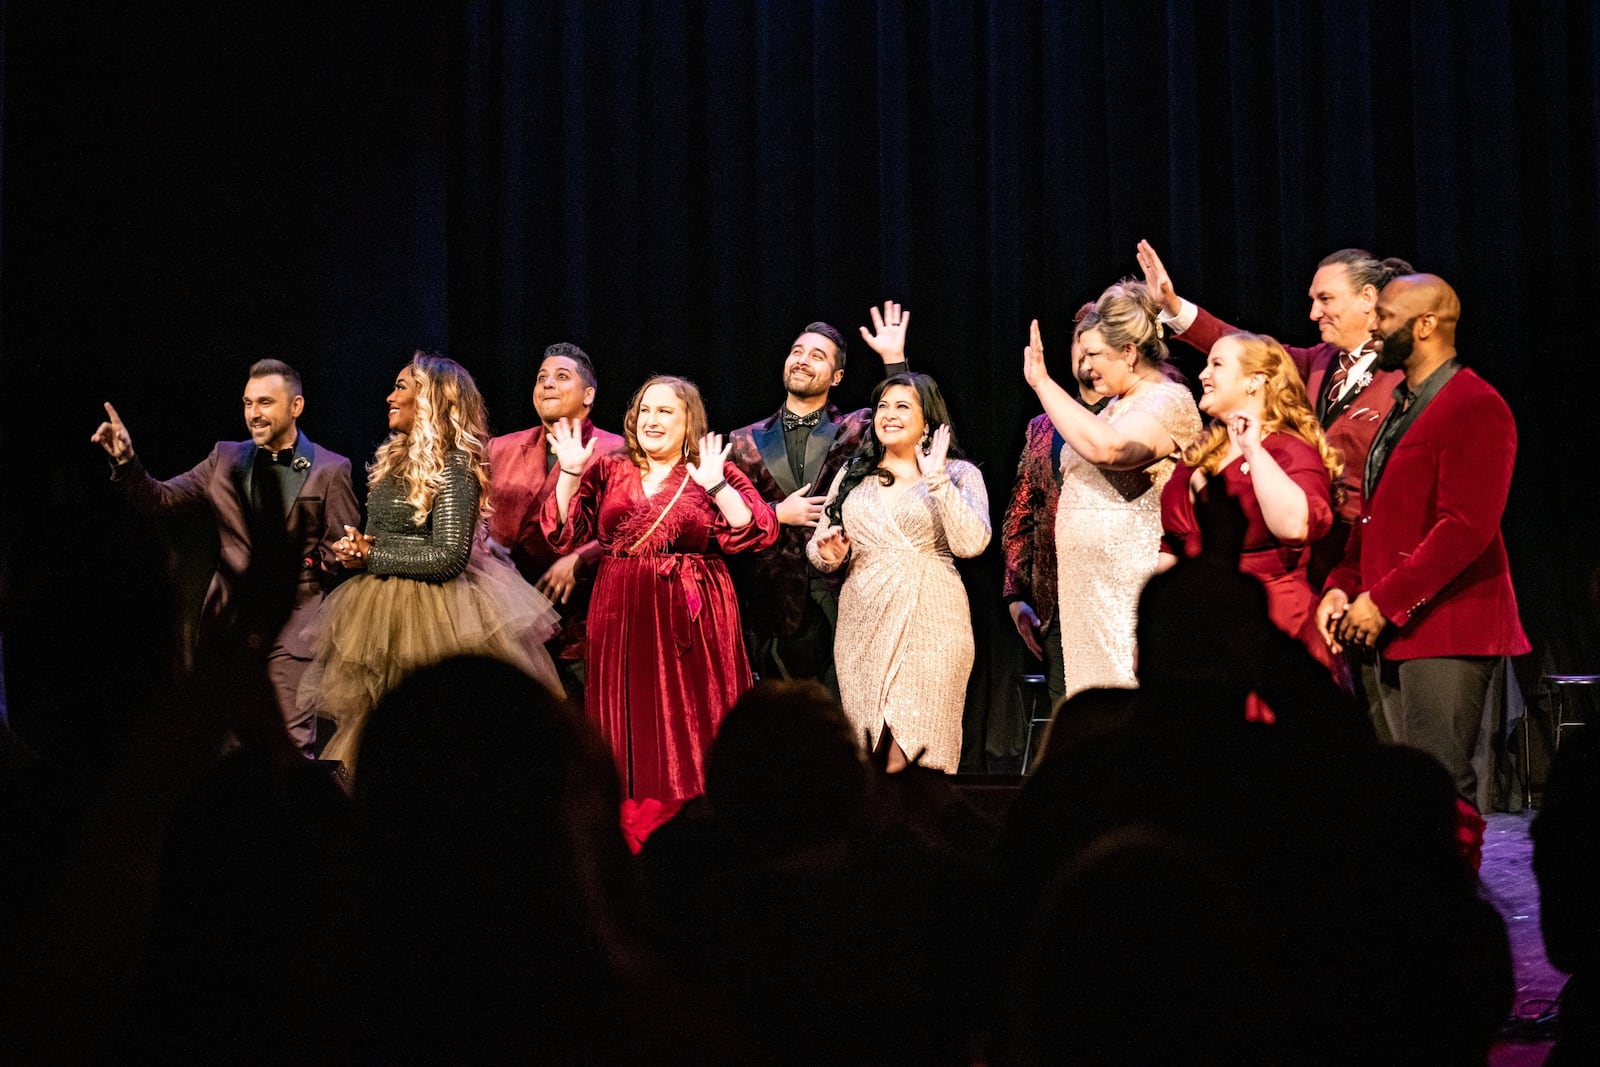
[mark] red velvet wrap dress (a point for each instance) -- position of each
(666, 655)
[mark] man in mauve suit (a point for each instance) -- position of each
(1424, 580)
(1349, 391)
(791, 457)
(522, 474)
(276, 498)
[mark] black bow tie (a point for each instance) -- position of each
(284, 456)
(791, 421)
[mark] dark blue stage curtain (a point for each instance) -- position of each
(680, 186)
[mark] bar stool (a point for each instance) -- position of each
(1033, 693)
(1561, 709)
(1560, 686)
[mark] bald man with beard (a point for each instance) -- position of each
(1424, 581)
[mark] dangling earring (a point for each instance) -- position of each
(927, 441)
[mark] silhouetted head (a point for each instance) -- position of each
(1147, 950)
(1202, 631)
(92, 644)
(785, 768)
(496, 895)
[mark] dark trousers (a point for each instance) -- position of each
(1436, 705)
(1364, 672)
(286, 671)
(1055, 663)
(572, 673)
(808, 652)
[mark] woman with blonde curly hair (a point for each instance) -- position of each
(430, 589)
(1113, 468)
(1267, 452)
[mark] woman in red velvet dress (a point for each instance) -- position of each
(1267, 448)
(666, 649)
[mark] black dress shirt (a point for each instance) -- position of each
(1408, 404)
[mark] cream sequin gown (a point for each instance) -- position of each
(903, 645)
(1108, 535)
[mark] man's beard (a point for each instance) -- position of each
(805, 388)
(1396, 348)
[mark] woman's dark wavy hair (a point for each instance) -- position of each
(868, 457)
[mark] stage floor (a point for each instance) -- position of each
(1508, 878)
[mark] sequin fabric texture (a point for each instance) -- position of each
(903, 647)
(1108, 535)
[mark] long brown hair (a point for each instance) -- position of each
(1285, 408)
(450, 415)
(694, 417)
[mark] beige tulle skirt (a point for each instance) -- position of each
(373, 631)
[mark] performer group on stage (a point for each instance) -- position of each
(1369, 473)
(756, 648)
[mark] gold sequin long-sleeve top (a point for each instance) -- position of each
(439, 549)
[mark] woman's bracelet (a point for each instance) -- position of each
(575, 474)
(936, 479)
(719, 487)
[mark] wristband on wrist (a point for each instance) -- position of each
(719, 487)
(575, 474)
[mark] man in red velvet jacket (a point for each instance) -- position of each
(522, 473)
(791, 458)
(1424, 580)
(1350, 392)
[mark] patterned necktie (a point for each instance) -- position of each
(1340, 373)
(791, 421)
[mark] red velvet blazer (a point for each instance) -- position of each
(1352, 432)
(1428, 546)
(519, 485)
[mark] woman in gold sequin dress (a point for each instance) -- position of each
(897, 515)
(1113, 468)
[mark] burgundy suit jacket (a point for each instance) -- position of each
(773, 584)
(1354, 428)
(324, 504)
(519, 484)
(1427, 546)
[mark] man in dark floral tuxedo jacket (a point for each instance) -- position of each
(792, 457)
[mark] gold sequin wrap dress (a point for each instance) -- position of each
(903, 646)
(1108, 537)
